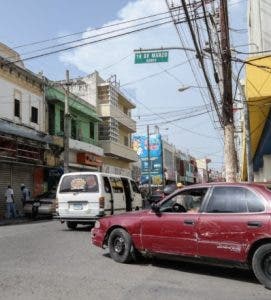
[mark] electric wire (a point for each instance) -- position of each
(180, 36)
(88, 43)
(89, 30)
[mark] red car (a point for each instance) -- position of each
(217, 223)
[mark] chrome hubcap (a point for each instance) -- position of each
(119, 245)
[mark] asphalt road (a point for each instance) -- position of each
(44, 260)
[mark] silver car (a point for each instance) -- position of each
(44, 204)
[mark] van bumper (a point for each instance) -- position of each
(80, 220)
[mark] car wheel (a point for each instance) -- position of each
(120, 245)
(71, 225)
(261, 265)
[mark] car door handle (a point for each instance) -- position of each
(189, 222)
(254, 224)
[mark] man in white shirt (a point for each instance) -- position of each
(11, 211)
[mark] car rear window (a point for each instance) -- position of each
(79, 183)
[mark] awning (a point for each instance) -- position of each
(24, 132)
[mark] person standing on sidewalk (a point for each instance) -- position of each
(25, 194)
(11, 211)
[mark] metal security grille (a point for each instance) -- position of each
(113, 96)
(5, 180)
(109, 130)
(22, 174)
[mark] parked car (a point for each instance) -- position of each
(218, 223)
(44, 204)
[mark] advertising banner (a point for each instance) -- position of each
(140, 145)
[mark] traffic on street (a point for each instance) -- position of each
(46, 260)
(135, 149)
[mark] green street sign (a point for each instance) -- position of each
(151, 57)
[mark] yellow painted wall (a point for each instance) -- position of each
(258, 93)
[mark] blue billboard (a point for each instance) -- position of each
(140, 145)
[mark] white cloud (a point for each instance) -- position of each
(159, 91)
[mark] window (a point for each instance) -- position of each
(79, 183)
(91, 130)
(116, 184)
(73, 129)
(17, 108)
(234, 200)
(189, 201)
(34, 115)
(135, 187)
(107, 186)
(126, 141)
(61, 121)
(254, 203)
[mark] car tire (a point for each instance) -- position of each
(261, 265)
(120, 246)
(71, 225)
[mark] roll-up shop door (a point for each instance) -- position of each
(5, 180)
(22, 174)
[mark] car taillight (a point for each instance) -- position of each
(56, 203)
(101, 202)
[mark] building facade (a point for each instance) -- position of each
(84, 152)
(258, 25)
(114, 108)
(26, 149)
(258, 92)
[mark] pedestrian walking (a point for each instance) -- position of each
(25, 194)
(11, 211)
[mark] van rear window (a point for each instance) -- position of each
(79, 183)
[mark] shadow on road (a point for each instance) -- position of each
(198, 268)
(204, 269)
(86, 228)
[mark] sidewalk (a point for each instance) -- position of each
(19, 220)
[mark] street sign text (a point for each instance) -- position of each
(151, 57)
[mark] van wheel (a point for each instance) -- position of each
(120, 246)
(71, 225)
(261, 265)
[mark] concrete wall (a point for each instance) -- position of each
(115, 166)
(9, 90)
(259, 23)
(88, 90)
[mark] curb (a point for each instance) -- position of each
(14, 221)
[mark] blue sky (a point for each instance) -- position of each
(38, 20)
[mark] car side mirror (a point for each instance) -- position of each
(155, 208)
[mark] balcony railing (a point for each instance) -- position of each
(77, 138)
(108, 110)
(119, 150)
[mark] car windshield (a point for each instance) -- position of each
(79, 183)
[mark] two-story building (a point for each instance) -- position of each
(25, 147)
(117, 125)
(84, 152)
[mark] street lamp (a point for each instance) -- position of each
(186, 87)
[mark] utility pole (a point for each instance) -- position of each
(149, 160)
(67, 130)
(200, 58)
(227, 111)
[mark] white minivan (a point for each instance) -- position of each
(84, 197)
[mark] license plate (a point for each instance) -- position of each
(77, 206)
